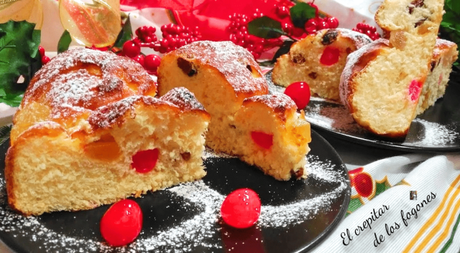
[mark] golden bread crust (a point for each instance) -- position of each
(75, 83)
(77, 135)
(235, 65)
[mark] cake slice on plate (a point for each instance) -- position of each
(89, 132)
(261, 129)
(382, 82)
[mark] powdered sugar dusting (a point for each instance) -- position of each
(297, 212)
(335, 117)
(182, 97)
(332, 116)
(278, 100)
(201, 230)
(193, 232)
(434, 134)
(79, 91)
(358, 38)
(82, 79)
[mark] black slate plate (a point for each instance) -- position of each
(296, 215)
(437, 130)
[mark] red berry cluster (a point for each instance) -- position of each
(146, 34)
(173, 37)
(45, 59)
(239, 35)
(317, 23)
(367, 29)
(282, 12)
(132, 49)
(238, 28)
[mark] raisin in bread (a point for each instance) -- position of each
(89, 132)
(318, 59)
(382, 81)
(229, 83)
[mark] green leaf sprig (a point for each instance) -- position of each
(301, 13)
(19, 56)
(450, 25)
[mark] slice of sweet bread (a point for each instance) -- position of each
(445, 54)
(227, 80)
(318, 59)
(382, 81)
(272, 135)
(88, 133)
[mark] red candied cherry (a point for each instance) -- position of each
(300, 93)
(241, 208)
(145, 160)
(415, 88)
(262, 139)
(121, 223)
(363, 184)
(330, 56)
(151, 63)
(131, 48)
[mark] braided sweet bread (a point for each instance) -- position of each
(89, 132)
(261, 129)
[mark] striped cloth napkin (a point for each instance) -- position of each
(401, 204)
